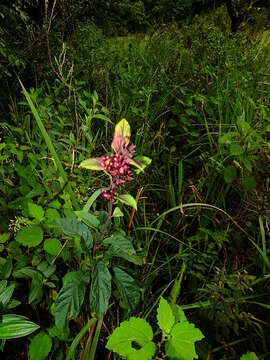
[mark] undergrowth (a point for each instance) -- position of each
(197, 99)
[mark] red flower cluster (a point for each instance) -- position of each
(118, 166)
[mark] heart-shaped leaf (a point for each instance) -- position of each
(133, 340)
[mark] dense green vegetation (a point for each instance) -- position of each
(76, 259)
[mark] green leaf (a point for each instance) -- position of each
(178, 313)
(92, 164)
(68, 302)
(236, 150)
(249, 183)
(52, 246)
(89, 219)
(249, 356)
(6, 293)
(6, 268)
(30, 236)
(129, 336)
(121, 246)
(128, 200)
(36, 292)
(228, 138)
(230, 174)
(36, 211)
(40, 346)
(15, 326)
(117, 213)
(128, 288)
(76, 276)
(181, 344)
(4, 237)
(73, 227)
(100, 292)
(121, 134)
(141, 162)
(165, 316)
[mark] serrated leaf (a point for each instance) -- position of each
(100, 292)
(236, 149)
(128, 200)
(30, 236)
(35, 211)
(40, 346)
(92, 164)
(15, 326)
(74, 227)
(68, 302)
(89, 219)
(178, 313)
(121, 246)
(128, 288)
(130, 335)
(165, 316)
(181, 344)
(52, 246)
(249, 356)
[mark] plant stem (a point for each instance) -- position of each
(95, 340)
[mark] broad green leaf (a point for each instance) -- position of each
(68, 302)
(24, 273)
(36, 211)
(30, 236)
(128, 200)
(129, 336)
(100, 292)
(36, 292)
(165, 316)
(181, 344)
(15, 326)
(51, 215)
(128, 288)
(236, 149)
(228, 138)
(121, 135)
(6, 268)
(178, 313)
(249, 356)
(141, 162)
(52, 246)
(91, 164)
(4, 237)
(40, 346)
(230, 174)
(6, 294)
(89, 219)
(121, 246)
(243, 126)
(74, 227)
(77, 276)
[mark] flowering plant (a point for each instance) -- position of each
(118, 164)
